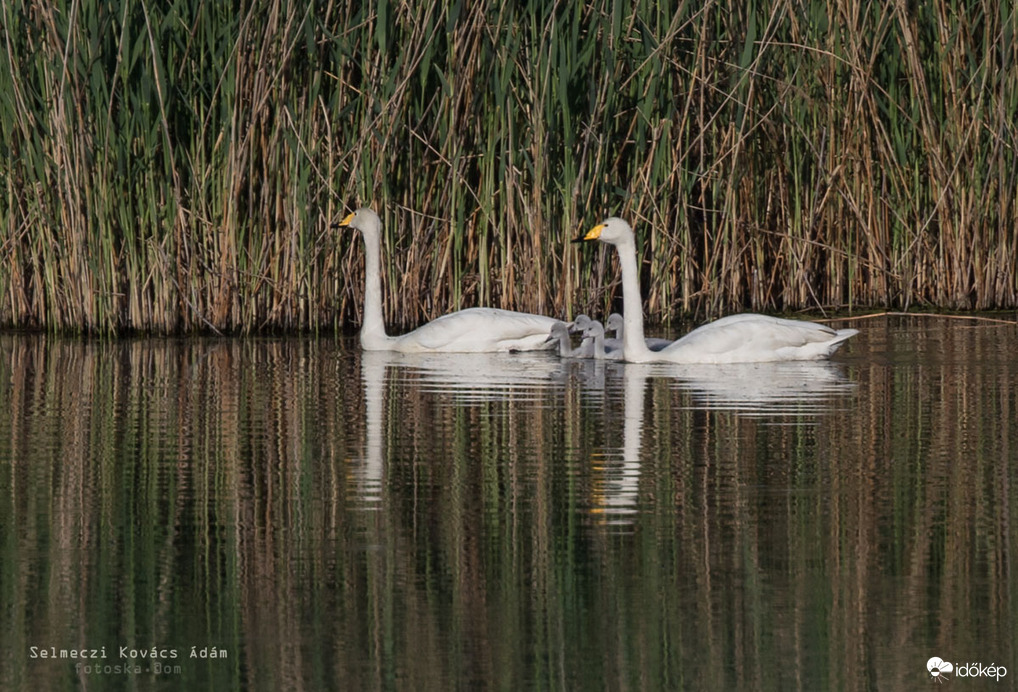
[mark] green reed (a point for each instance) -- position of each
(176, 167)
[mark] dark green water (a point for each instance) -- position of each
(319, 518)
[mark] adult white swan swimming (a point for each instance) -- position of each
(746, 338)
(474, 330)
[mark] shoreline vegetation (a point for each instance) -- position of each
(175, 167)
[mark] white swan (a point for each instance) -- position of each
(474, 330)
(617, 324)
(746, 338)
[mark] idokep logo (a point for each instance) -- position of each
(940, 670)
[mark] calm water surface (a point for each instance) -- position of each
(294, 514)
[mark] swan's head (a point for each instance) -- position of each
(612, 230)
(594, 329)
(364, 220)
(615, 322)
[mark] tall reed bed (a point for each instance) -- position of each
(175, 166)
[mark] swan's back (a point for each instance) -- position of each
(757, 338)
(479, 330)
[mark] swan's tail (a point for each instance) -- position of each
(841, 336)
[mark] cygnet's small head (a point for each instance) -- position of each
(615, 322)
(594, 329)
(612, 230)
(580, 323)
(364, 220)
(559, 333)
(560, 329)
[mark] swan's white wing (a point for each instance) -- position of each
(479, 330)
(760, 331)
(751, 337)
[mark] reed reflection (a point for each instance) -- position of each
(606, 524)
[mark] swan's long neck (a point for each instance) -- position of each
(373, 329)
(634, 348)
(565, 349)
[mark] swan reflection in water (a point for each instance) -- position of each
(468, 377)
(761, 390)
(476, 377)
(779, 393)
(774, 392)
(617, 470)
(367, 476)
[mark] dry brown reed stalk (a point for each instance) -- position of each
(937, 315)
